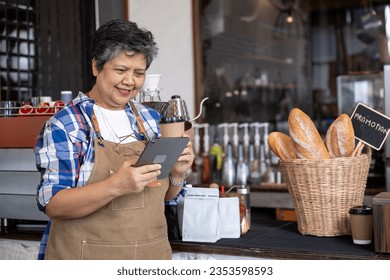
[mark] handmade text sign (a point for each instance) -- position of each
(370, 126)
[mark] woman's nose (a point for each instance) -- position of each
(128, 79)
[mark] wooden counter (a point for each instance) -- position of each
(271, 239)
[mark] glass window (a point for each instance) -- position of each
(260, 58)
(44, 47)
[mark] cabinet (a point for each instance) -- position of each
(19, 180)
(19, 177)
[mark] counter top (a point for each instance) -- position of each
(272, 239)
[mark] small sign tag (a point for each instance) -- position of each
(370, 126)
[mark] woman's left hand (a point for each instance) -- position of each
(184, 162)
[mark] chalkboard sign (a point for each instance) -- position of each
(370, 126)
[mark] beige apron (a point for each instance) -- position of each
(130, 227)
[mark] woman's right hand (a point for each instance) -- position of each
(130, 179)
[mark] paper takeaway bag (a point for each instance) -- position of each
(207, 217)
(229, 217)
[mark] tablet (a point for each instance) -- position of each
(165, 151)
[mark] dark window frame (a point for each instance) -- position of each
(45, 47)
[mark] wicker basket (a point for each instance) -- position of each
(322, 191)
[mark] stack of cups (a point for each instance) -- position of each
(66, 96)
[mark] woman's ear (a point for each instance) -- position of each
(95, 71)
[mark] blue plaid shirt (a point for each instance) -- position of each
(64, 149)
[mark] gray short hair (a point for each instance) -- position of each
(118, 36)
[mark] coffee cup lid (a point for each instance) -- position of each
(172, 119)
(361, 210)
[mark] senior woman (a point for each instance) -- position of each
(100, 206)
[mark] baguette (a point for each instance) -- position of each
(282, 145)
(340, 137)
(308, 141)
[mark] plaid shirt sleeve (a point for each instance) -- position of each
(179, 199)
(59, 151)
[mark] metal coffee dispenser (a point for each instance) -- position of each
(177, 114)
(174, 113)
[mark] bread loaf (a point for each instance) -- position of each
(340, 137)
(308, 141)
(282, 145)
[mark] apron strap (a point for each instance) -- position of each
(95, 122)
(96, 127)
(140, 123)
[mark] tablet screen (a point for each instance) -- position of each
(163, 150)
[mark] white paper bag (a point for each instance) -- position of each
(208, 218)
(200, 215)
(229, 217)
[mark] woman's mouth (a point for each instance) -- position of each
(123, 91)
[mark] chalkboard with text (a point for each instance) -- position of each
(370, 126)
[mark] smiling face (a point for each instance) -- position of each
(120, 80)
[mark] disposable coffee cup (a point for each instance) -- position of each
(173, 129)
(361, 224)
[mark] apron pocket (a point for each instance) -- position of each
(129, 201)
(95, 250)
(154, 249)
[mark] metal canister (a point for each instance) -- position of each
(245, 191)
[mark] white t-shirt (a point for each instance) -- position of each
(114, 125)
